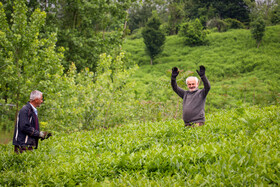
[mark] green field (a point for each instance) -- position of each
(238, 147)
(114, 116)
(237, 70)
(147, 143)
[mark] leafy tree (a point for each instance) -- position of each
(208, 9)
(175, 17)
(275, 17)
(153, 37)
(258, 30)
(90, 28)
(140, 11)
(266, 9)
(28, 60)
(139, 15)
(173, 12)
(193, 33)
(87, 100)
(84, 28)
(235, 9)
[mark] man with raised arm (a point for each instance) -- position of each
(194, 98)
(27, 129)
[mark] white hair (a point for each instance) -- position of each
(35, 94)
(196, 79)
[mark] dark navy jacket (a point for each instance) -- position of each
(27, 127)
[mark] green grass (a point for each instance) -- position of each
(238, 147)
(236, 44)
(237, 69)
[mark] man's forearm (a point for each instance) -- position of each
(176, 88)
(206, 83)
(174, 84)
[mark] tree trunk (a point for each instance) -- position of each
(103, 34)
(74, 20)
(151, 61)
(46, 5)
(259, 43)
(125, 23)
(18, 86)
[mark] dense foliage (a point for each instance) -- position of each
(238, 147)
(117, 94)
(236, 9)
(275, 16)
(193, 33)
(257, 30)
(73, 100)
(72, 51)
(153, 37)
(268, 10)
(85, 29)
(139, 15)
(175, 12)
(28, 60)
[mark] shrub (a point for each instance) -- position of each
(234, 23)
(258, 29)
(136, 34)
(153, 37)
(165, 29)
(275, 17)
(221, 25)
(193, 33)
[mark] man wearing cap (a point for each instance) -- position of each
(27, 130)
(193, 98)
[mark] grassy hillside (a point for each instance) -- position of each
(238, 147)
(238, 71)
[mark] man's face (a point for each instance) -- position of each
(192, 84)
(39, 101)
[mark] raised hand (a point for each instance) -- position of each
(175, 72)
(201, 71)
(48, 135)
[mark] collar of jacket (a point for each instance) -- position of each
(28, 104)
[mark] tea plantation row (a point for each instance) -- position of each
(238, 147)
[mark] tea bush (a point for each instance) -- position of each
(193, 33)
(237, 147)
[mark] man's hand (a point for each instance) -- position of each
(201, 71)
(48, 135)
(175, 72)
(43, 135)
